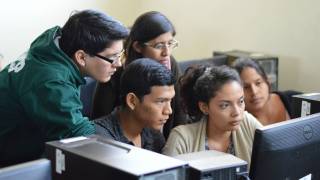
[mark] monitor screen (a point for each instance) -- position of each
(32, 170)
(287, 150)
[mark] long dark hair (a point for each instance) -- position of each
(146, 27)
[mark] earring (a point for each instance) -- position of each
(206, 113)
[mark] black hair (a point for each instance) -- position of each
(141, 75)
(146, 27)
(90, 31)
(200, 83)
(241, 63)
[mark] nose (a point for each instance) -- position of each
(117, 63)
(236, 110)
(254, 89)
(167, 109)
(166, 51)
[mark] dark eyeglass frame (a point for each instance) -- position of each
(112, 59)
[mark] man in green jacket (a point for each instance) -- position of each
(39, 93)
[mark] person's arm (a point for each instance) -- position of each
(55, 107)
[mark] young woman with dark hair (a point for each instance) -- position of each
(213, 98)
(268, 107)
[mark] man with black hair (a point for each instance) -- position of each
(146, 91)
(39, 93)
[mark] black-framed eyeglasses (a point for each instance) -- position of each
(112, 59)
(172, 44)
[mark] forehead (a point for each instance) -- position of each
(163, 37)
(230, 91)
(161, 92)
(249, 74)
(115, 47)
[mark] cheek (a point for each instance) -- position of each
(152, 55)
(147, 112)
(266, 90)
(102, 68)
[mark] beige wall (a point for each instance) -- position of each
(22, 21)
(289, 29)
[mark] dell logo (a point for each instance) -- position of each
(307, 132)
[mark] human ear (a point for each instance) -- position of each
(131, 101)
(80, 58)
(203, 107)
(137, 47)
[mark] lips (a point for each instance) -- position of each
(256, 100)
(166, 62)
(235, 123)
(111, 73)
(163, 121)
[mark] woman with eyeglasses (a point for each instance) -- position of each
(151, 36)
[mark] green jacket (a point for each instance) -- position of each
(40, 100)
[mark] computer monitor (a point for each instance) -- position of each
(32, 170)
(287, 150)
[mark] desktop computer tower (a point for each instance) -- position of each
(94, 157)
(268, 63)
(305, 104)
(214, 165)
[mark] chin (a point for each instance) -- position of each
(104, 80)
(157, 128)
(234, 128)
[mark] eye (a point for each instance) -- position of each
(241, 101)
(159, 46)
(258, 83)
(173, 43)
(160, 101)
(224, 105)
(116, 56)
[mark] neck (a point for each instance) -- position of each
(130, 126)
(215, 133)
(263, 114)
(218, 139)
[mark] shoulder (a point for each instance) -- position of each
(286, 98)
(286, 95)
(108, 125)
(188, 132)
(250, 122)
(188, 128)
(152, 140)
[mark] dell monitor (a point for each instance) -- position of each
(289, 150)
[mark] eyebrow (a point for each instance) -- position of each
(166, 99)
(227, 101)
(255, 80)
(162, 42)
(117, 53)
